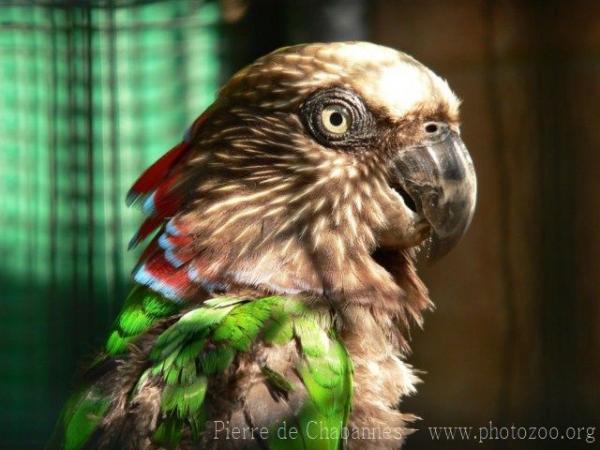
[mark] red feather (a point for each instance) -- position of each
(155, 174)
(147, 227)
(166, 201)
(166, 270)
(159, 274)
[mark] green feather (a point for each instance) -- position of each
(204, 342)
(216, 360)
(190, 351)
(193, 397)
(134, 320)
(280, 328)
(184, 365)
(279, 331)
(185, 399)
(157, 307)
(171, 375)
(313, 338)
(168, 433)
(140, 383)
(142, 309)
(188, 373)
(326, 372)
(330, 394)
(320, 371)
(198, 321)
(241, 327)
(276, 380)
(83, 414)
(116, 343)
(197, 423)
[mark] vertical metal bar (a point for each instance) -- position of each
(76, 305)
(89, 119)
(52, 144)
(116, 291)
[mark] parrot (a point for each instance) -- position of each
(272, 305)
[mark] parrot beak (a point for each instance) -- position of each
(439, 177)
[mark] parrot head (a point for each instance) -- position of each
(313, 162)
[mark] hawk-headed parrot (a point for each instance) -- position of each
(271, 305)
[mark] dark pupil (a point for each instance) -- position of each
(336, 119)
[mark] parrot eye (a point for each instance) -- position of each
(337, 117)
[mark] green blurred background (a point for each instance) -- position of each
(92, 92)
(89, 97)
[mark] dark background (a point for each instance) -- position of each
(92, 94)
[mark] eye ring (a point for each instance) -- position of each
(336, 119)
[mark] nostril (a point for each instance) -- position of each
(431, 128)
